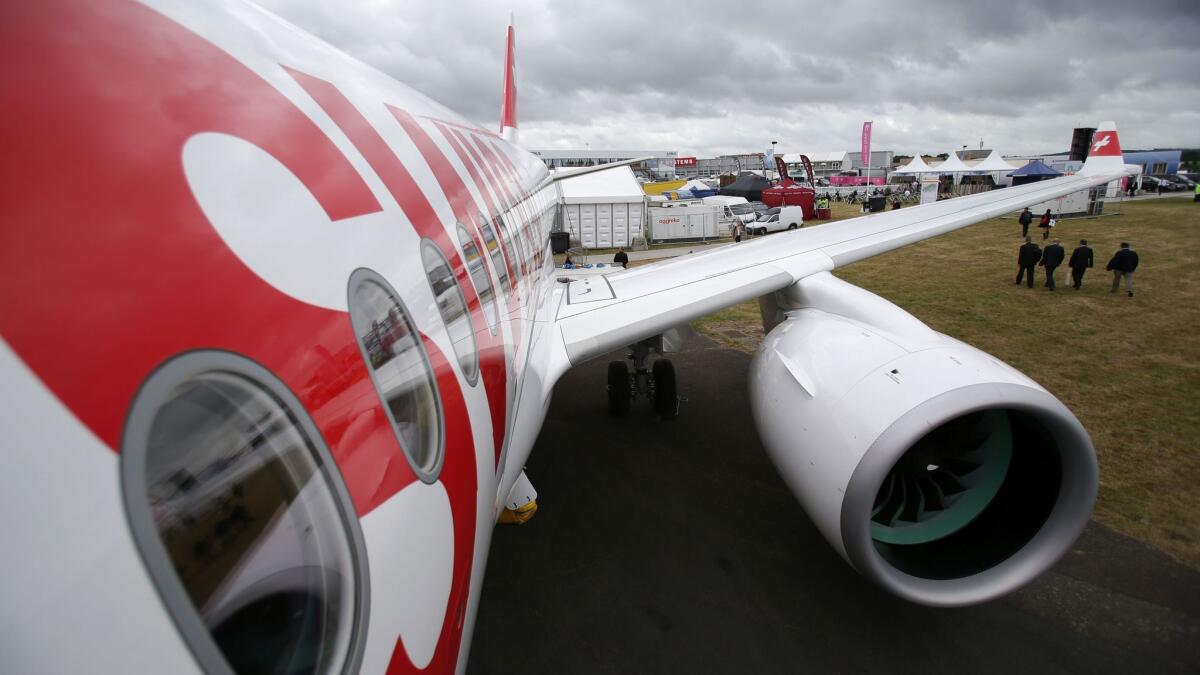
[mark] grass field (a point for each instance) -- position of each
(1128, 367)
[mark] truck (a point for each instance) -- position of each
(733, 210)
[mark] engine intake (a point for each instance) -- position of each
(937, 471)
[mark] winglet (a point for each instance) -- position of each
(1104, 155)
(508, 104)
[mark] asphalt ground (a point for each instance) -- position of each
(674, 547)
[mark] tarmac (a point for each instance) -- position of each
(674, 547)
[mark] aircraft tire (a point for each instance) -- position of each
(618, 389)
(666, 395)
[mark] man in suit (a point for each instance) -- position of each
(1052, 257)
(1081, 260)
(1123, 263)
(1025, 219)
(1027, 260)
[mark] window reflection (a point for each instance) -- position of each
(453, 307)
(400, 370)
(479, 276)
(240, 502)
(493, 247)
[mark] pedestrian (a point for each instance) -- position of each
(1027, 260)
(1130, 186)
(1197, 197)
(1162, 187)
(1081, 260)
(1052, 257)
(1123, 263)
(621, 258)
(1046, 223)
(738, 226)
(1025, 219)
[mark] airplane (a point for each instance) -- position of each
(278, 335)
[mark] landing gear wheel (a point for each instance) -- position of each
(618, 388)
(666, 399)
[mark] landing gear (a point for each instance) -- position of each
(619, 389)
(656, 383)
(666, 398)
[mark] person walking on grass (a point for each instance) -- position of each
(1027, 260)
(1081, 260)
(1046, 223)
(1123, 263)
(1025, 219)
(1052, 257)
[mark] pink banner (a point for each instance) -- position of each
(850, 181)
(866, 145)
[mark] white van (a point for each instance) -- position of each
(733, 209)
(779, 219)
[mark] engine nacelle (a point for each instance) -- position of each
(939, 472)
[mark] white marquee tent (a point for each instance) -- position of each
(993, 163)
(604, 209)
(952, 165)
(916, 166)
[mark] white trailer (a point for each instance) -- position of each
(684, 220)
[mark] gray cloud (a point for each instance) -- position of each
(715, 77)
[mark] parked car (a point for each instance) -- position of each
(1174, 183)
(784, 218)
(1189, 183)
(1149, 183)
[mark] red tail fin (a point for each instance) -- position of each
(508, 105)
(1104, 155)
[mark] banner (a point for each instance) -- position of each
(769, 159)
(929, 191)
(812, 181)
(866, 145)
(685, 161)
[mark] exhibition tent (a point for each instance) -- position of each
(917, 165)
(1033, 172)
(952, 165)
(747, 185)
(603, 209)
(791, 193)
(993, 163)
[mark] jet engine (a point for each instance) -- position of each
(939, 472)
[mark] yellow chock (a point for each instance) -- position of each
(519, 515)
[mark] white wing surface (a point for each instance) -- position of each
(599, 316)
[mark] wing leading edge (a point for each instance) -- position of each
(650, 300)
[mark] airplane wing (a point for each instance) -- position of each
(599, 315)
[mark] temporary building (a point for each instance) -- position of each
(916, 166)
(791, 193)
(747, 185)
(1033, 172)
(604, 209)
(994, 162)
(952, 165)
(698, 189)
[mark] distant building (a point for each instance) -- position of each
(824, 164)
(662, 164)
(715, 166)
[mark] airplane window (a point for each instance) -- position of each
(493, 247)
(400, 369)
(243, 520)
(479, 276)
(453, 307)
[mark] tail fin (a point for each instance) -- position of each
(1104, 155)
(508, 105)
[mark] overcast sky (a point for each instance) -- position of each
(709, 78)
